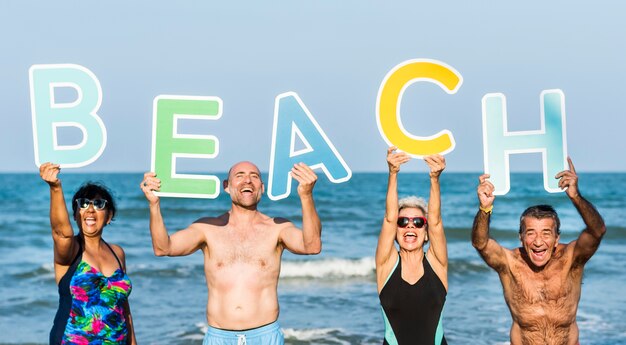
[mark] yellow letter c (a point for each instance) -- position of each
(390, 97)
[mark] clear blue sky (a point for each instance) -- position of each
(334, 54)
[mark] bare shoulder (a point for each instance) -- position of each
(280, 221)
(219, 221)
(565, 252)
(119, 251)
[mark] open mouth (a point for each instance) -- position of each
(410, 236)
(90, 221)
(246, 190)
(539, 254)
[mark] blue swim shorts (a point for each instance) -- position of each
(265, 335)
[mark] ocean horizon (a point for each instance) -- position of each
(328, 298)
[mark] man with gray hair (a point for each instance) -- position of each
(542, 278)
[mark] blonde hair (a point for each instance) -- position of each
(413, 202)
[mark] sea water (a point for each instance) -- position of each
(328, 298)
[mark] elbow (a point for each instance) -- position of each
(160, 251)
(314, 248)
(478, 244)
(601, 231)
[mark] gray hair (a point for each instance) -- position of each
(413, 202)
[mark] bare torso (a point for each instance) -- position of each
(543, 303)
(242, 268)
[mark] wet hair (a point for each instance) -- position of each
(413, 202)
(540, 212)
(90, 190)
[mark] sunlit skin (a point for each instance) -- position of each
(542, 279)
(242, 248)
(90, 221)
(411, 238)
(244, 185)
(539, 240)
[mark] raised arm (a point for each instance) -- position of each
(62, 232)
(309, 239)
(388, 230)
(436, 235)
(589, 239)
(493, 254)
(183, 242)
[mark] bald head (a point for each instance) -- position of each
(243, 167)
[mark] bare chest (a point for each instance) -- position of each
(255, 246)
(547, 297)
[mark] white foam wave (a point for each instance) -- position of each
(334, 267)
(314, 334)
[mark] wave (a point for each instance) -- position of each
(329, 268)
(315, 336)
(44, 271)
(338, 268)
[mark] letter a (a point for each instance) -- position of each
(168, 145)
(48, 114)
(499, 143)
(292, 121)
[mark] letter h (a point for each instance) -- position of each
(499, 143)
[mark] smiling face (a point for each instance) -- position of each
(411, 238)
(91, 221)
(244, 185)
(539, 238)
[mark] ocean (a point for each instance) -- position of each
(328, 298)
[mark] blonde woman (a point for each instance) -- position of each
(412, 282)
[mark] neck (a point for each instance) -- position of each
(91, 242)
(242, 215)
(414, 256)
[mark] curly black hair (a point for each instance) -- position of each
(90, 190)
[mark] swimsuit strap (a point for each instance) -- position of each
(116, 258)
(79, 253)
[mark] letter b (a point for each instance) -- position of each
(49, 115)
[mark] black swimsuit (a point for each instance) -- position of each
(413, 313)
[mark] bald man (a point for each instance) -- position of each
(242, 253)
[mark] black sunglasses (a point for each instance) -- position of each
(418, 222)
(98, 204)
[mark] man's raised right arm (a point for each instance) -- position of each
(492, 252)
(183, 242)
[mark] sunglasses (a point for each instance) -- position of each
(98, 204)
(418, 222)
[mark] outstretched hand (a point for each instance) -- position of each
(436, 163)
(49, 173)
(485, 191)
(568, 180)
(306, 178)
(149, 184)
(396, 158)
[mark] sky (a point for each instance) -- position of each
(334, 55)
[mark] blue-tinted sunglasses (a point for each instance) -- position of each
(98, 204)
